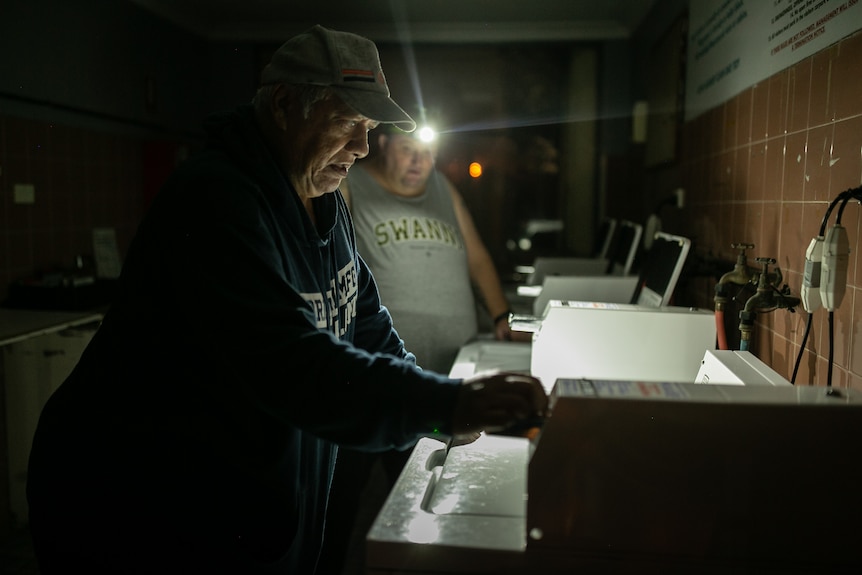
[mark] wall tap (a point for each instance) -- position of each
(740, 275)
(769, 296)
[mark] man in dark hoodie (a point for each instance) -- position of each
(246, 341)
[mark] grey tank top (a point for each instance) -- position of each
(416, 254)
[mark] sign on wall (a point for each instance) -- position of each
(734, 44)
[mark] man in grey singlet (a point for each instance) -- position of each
(417, 237)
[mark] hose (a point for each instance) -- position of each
(720, 331)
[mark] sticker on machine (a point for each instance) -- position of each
(621, 389)
(590, 304)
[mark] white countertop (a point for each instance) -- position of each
(20, 324)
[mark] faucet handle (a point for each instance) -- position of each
(765, 261)
(740, 257)
(774, 278)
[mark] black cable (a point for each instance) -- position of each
(847, 196)
(841, 209)
(843, 196)
(802, 347)
(831, 349)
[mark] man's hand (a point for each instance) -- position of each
(496, 401)
(502, 331)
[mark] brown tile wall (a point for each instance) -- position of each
(83, 179)
(762, 168)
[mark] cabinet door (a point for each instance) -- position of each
(34, 368)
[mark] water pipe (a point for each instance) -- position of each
(740, 275)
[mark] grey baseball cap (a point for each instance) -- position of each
(347, 63)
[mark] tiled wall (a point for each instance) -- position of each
(762, 168)
(83, 178)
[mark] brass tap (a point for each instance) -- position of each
(740, 275)
(768, 296)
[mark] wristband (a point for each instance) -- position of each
(505, 315)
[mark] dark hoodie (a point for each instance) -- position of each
(242, 345)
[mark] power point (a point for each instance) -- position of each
(24, 193)
(679, 193)
(833, 269)
(811, 277)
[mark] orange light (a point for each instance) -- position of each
(475, 169)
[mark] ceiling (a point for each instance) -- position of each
(438, 21)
